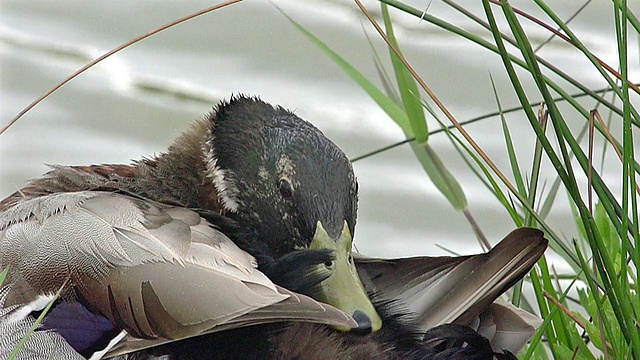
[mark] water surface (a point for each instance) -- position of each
(136, 102)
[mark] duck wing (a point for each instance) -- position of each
(153, 270)
(441, 290)
(314, 311)
(506, 326)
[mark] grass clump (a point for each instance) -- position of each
(594, 311)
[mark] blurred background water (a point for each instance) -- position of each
(136, 102)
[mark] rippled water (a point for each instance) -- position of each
(136, 102)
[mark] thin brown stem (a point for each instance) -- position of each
(565, 310)
(108, 54)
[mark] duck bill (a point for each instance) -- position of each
(344, 289)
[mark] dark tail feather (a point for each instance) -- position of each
(452, 341)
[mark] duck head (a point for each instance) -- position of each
(292, 190)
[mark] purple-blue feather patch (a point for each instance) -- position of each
(79, 327)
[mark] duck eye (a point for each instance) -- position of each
(285, 189)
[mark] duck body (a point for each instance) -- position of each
(105, 230)
(235, 243)
(140, 274)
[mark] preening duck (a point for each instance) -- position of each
(236, 241)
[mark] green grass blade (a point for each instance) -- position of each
(548, 202)
(441, 177)
(387, 83)
(513, 158)
(385, 103)
(407, 85)
(3, 275)
(35, 325)
(484, 174)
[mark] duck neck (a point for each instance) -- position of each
(179, 176)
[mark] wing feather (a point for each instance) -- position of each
(442, 290)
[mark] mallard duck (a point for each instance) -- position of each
(243, 225)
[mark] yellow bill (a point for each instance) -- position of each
(344, 289)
